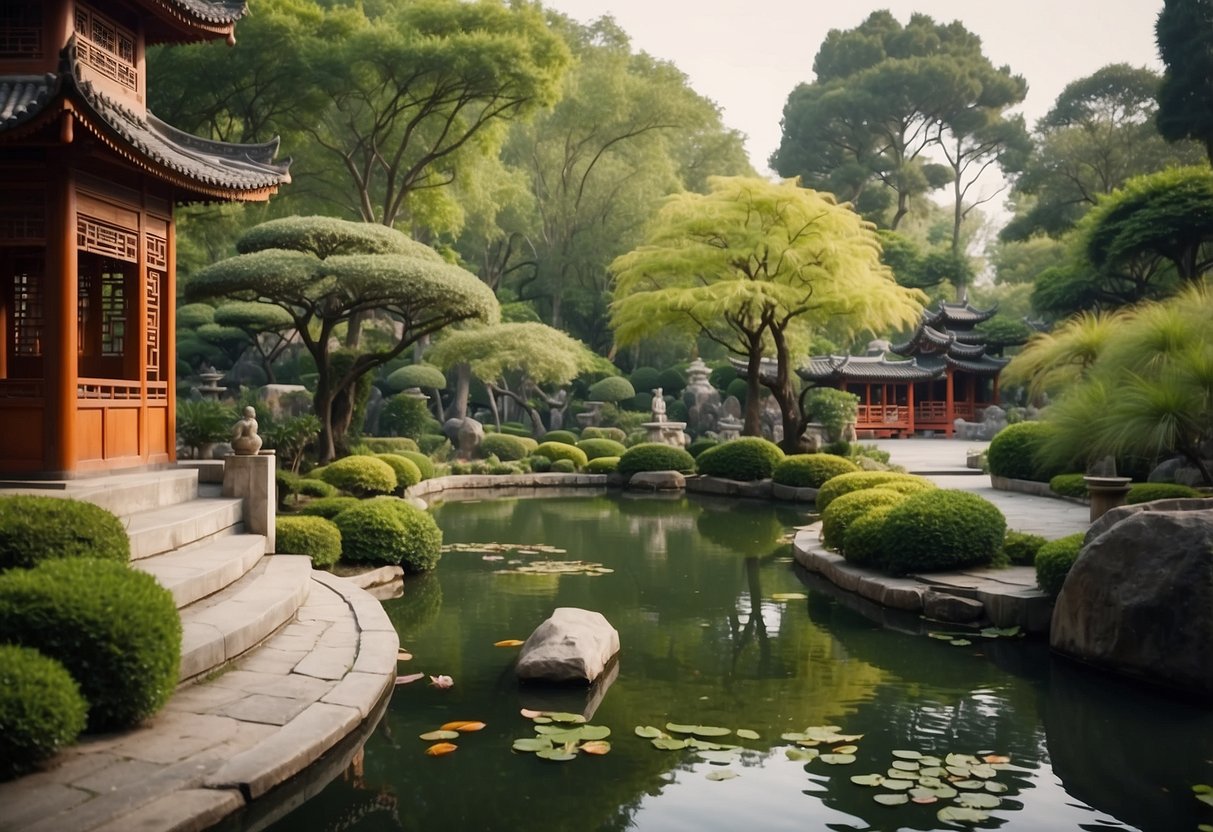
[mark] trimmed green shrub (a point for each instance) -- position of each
(811, 470)
(315, 537)
(406, 471)
(327, 507)
(1054, 559)
(314, 488)
(700, 445)
(1069, 485)
(602, 465)
(515, 429)
(434, 445)
(850, 507)
(835, 487)
(504, 446)
(721, 377)
(424, 464)
(644, 379)
(1013, 452)
(501, 469)
(390, 444)
(388, 530)
(941, 529)
(748, 458)
(563, 466)
(41, 709)
(672, 381)
(362, 476)
(556, 451)
(316, 473)
(425, 376)
(863, 540)
(34, 529)
(654, 456)
(1144, 492)
(405, 415)
(114, 628)
(539, 463)
(286, 484)
(834, 409)
(610, 389)
(738, 388)
(595, 448)
(1020, 548)
(614, 434)
(565, 436)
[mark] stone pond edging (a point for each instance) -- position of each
(697, 484)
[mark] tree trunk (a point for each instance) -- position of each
(753, 392)
(463, 384)
(342, 410)
(784, 393)
(326, 449)
(493, 407)
(353, 335)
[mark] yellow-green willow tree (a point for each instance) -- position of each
(758, 267)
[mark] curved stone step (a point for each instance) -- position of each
(204, 569)
(171, 527)
(121, 494)
(225, 625)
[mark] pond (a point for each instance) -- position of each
(720, 629)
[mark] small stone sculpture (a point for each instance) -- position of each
(244, 434)
(658, 405)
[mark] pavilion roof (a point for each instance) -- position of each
(176, 21)
(960, 315)
(839, 368)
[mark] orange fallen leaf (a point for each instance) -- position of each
(470, 726)
(925, 799)
(438, 749)
(412, 677)
(464, 725)
(597, 747)
(402, 656)
(509, 642)
(996, 758)
(527, 713)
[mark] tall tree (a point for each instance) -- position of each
(1184, 34)
(758, 267)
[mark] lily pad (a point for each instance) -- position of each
(961, 814)
(945, 792)
(978, 800)
(794, 736)
(649, 732)
(801, 754)
(898, 774)
(722, 774)
(594, 732)
(789, 596)
(994, 787)
(958, 771)
(961, 760)
(560, 716)
(719, 757)
(559, 755)
(932, 771)
(969, 785)
(434, 736)
(698, 730)
(905, 765)
(891, 799)
(532, 744)
(846, 749)
(747, 734)
(898, 785)
(907, 755)
(960, 642)
(867, 779)
(926, 761)
(708, 745)
(669, 744)
(837, 759)
(995, 758)
(982, 771)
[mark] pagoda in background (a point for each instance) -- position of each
(87, 251)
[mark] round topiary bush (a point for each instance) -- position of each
(1144, 492)
(362, 476)
(506, 447)
(114, 628)
(746, 459)
(1014, 449)
(41, 709)
(1069, 485)
(563, 466)
(315, 537)
(424, 464)
(672, 381)
(425, 376)
(388, 530)
(835, 487)
(862, 542)
(327, 507)
(314, 488)
(556, 451)
(1053, 562)
(1020, 548)
(645, 379)
(602, 465)
(565, 436)
(610, 389)
(595, 448)
(811, 470)
(34, 529)
(700, 445)
(406, 471)
(539, 463)
(614, 434)
(653, 456)
(941, 529)
(390, 444)
(849, 507)
(738, 389)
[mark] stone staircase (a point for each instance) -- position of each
(278, 664)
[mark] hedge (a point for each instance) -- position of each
(602, 465)
(424, 464)
(562, 450)
(565, 436)
(1013, 451)
(563, 466)
(835, 487)
(506, 447)
(811, 470)
(41, 709)
(654, 456)
(863, 541)
(700, 445)
(314, 488)
(316, 537)
(388, 530)
(327, 507)
(1020, 548)
(746, 459)
(1144, 492)
(539, 463)
(406, 471)
(390, 444)
(615, 434)
(850, 507)
(114, 628)
(610, 389)
(1069, 485)
(362, 476)
(1054, 559)
(942, 529)
(34, 529)
(595, 448)
(645, 379)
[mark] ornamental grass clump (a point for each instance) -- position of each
(595, 448)
(654, 456)
(388, 530)
(556, 451)
(835, 487)
(941, 529)
(811, 470)
(114, 628)
(406, 471)
(34, 529)
(1053, 562)
(849, 507)
(316, 537)
(505, 447)
(362, 476)
(41, 709)
(746, 459)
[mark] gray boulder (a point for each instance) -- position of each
(1115, 515)
(1139, 600)
(573, 645)
(465, 434)
(657, 481)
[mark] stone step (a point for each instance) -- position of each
(223, 626)
(122, 494)
(206, 567)
(173, 527)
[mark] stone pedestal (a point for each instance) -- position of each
(251, 477)
(1106, 493)
(666, 433)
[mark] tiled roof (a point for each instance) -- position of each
(866, 368)
(951, 314)
(215, 167)
(210, 11)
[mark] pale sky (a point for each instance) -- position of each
(747, 55)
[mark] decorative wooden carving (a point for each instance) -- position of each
(21, 34)
(102, 238)
(106, 47)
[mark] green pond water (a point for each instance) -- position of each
(706, 643)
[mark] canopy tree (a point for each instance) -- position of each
(1184, 33)
(268, 329)
(322, 272)
(758, 267)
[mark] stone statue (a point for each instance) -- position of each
(244, 434)
(658, 405)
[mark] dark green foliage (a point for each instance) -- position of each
(721, 377)
(1053, 562)
(41, 709)
(848, 508)
(202, 422)
(539, 463)
(362, 476)
(700, 445)
(390, 444)
(563, 466)
(315, 537)
(737, 389)
(405, 415)
(595, 448)
(834, 409)
(863, 540)
(424, 376)
(314, 488)
(1185, 44)
(1020, 548)
(34, 529)
(811, 470)
(286, 484)
(388, 530)
(748, 458)
(676, 411)
(515, 429)
(941, 529)
(1144, 492)
(653, 456)
(435, 445)
(672, 381)
(424, 464)
(568, 437)
(328, 507)
(1069, 485)
(644, 380)
(504, 446)
(560, 450)
(1013, 452)
(602, 465)
(611, 389)
(114, 628)
(614, 434)
(406, 471)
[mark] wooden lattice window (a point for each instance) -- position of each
(28, 311)
(97, 237)
(157, 252)
(155, 280)
(21, 34)
(113, 310)
(106, 47)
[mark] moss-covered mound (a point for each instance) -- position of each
(505, 447)
(362, 476)
(34, 529)
(942, 529)
(387, 530)
(654, 456)
(41, 709)
(835, 487)
(406, 471)
(1053, 562)
(746, 459)
(811, 470)
(850, 507)
(595, 448)
(315, 537)
(327, 507)
(556, 451)
(1145, 492)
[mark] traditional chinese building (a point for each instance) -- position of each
(87, 277)
(942, 373)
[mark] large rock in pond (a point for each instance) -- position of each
(1139, 600)
(573, 645)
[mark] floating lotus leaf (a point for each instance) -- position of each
(838, 759)
(929, 761)
(676, 728)
(969, 784)
(800, 754)
(983, 771)
(440, 749)
(898, 774)
(669, 744)
(891, 799)
(531, 744)
(960, 642)
(432, 736)
(905, 765)
(724, 774)
(994, 787)
(789, 596)
(558, 755)
(962, 760)
(846, 749)
(561, 716)
(867, 779)
(649, 732)
(898, 785)
(931, 771)
(919, 791)
(929, 782)
(945, 792)
(594, 732)
(793, 736)
(596, 747)
(958, 771)
(747, 734)
(719, 757)
(978, 800)
(707, 745)
(960, 814)
(907, 755)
